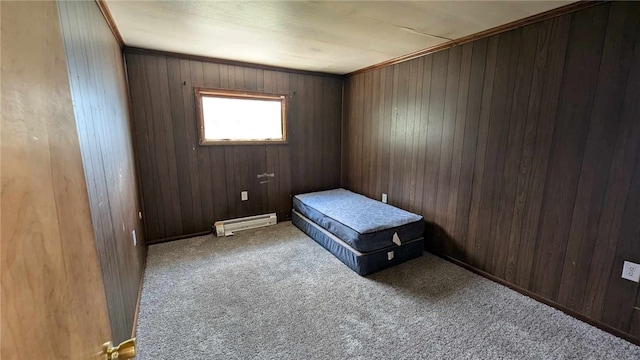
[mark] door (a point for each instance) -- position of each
(52, 296)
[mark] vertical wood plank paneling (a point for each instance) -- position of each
(496, 145)
(434, 133)
(615, 199)
(393, 111)
(578, 88)
(323, 156)
(204, 171)
(180, 140)
(302, 119)
(525, 165)
(469, 148)
(158, 99)
(521, 92)
(365, 179)
(634, 329)
(313, 120)
(345, 153)
(157, 147)
(622, 295)
(355, 133)
(52, 297)
(396, 192)
(285, 190)
(606, 114)
(297, 132)
(620, 299)
(189, 128)
(239, 160)
(454, 245)
(375, 170)
(187, 186)
(409, 118)
(98, 88)
(170, 148)
(446, 153)
(141, 138)
(334, 96)
(546, 121)
(521, 150)
(421, 148)
(417, 149)
(386, 135)
(480, 152)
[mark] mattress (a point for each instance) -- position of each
(361, 263)
(364, 224)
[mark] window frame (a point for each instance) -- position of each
(201, 92)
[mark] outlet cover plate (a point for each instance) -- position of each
(631, 271)
(384, 198)
(244, 196)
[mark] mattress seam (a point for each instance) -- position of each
(363, 233)
(349, 247)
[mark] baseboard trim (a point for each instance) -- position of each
(534, 296)
(134, 328)
(179, 237)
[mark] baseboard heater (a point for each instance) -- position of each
(228, 227)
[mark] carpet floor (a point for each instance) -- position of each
(273, 293)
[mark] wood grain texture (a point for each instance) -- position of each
(101, 104)
(616, 195)
(205, 59)
(579, 81)
(526, 153)
(53, 299)
(606, 115)
(550, 14)
(186, 187)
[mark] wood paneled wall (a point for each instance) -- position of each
(522, 150)
(186, 187)
(101, 104)
(52, 299)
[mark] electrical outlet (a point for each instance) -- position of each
(135, 239)
(384, 198)
(244, 196)
(631, 271)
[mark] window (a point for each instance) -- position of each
(227, 117)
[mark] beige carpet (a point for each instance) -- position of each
(273, 293)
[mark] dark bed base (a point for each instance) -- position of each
(361, 263)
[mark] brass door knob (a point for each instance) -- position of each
(126, 350)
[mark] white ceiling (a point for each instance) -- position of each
(328, 36)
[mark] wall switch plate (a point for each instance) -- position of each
(244, 196)
(135, 239)
(631, 271)
(384, 198)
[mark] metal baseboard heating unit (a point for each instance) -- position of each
(228, 227)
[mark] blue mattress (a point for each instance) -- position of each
(361, 263)
(364, 224)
